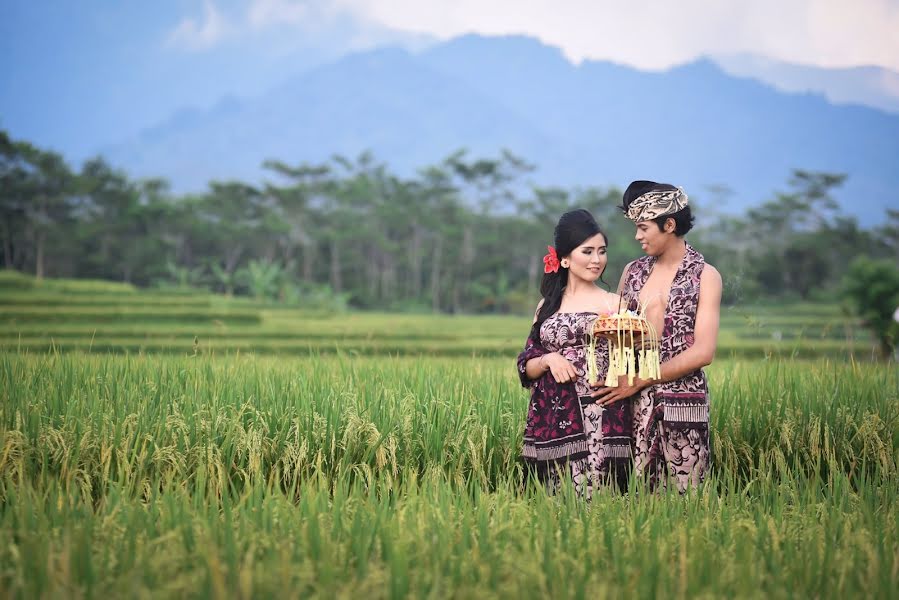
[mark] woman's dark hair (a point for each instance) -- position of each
(683, 219)
(573, 229)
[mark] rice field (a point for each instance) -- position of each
(331, 468)
(108, 317)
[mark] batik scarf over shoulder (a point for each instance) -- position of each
(680, 408)
(554, 431)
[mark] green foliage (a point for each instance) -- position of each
(226, 280)
(261, 278)
(464, 235)
(322, 298)
(182, 277)
(344, 476)
(873, 287)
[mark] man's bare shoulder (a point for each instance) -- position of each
(712, 286)
(710, 275)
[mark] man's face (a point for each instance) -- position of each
(652, 239)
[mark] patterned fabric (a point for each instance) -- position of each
(554, 430)
(607, 431)
(671, 419)
(566, 333)
(656, 204)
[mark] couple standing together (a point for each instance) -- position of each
(658, 429)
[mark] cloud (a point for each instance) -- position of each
(324, 22)
(262, 13)
(649, 34)
(656, 34)
(200, 35)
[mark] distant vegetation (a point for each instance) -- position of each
(464, 236)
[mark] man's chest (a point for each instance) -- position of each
(654, 293)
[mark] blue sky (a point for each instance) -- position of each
(79, 75)
(76, 76)
(61, 57)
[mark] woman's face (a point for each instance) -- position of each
(588, 260)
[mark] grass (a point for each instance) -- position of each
(434, 538)
(323, 476)
(158, 444)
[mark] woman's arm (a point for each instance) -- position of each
(536, 367)
(562, 369)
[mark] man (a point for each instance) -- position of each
(681, 296)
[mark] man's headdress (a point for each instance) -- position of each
(646, 200)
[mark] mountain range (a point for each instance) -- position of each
(593, 123)
(876, 87)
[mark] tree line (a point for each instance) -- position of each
(463, 235)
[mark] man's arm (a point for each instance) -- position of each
(708, 315)
(700, 354)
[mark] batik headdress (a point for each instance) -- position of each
(654, 200)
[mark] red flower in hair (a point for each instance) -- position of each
(550, 261)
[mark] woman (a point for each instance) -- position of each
(567, 432)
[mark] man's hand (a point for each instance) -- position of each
(609, 395)
(561, 368)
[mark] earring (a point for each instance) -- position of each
(565, 263)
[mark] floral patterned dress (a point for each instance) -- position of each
(608, 429)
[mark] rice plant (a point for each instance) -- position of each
(339, 475)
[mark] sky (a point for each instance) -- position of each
(75, 76)
(646, 34)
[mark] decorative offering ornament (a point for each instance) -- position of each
(633, 347)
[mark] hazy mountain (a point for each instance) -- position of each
(875, 87)
(75, 76)
(595, 123)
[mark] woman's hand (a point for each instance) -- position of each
(609, 395)
(561, 368)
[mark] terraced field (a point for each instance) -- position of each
(108, 317)
(181, 445)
